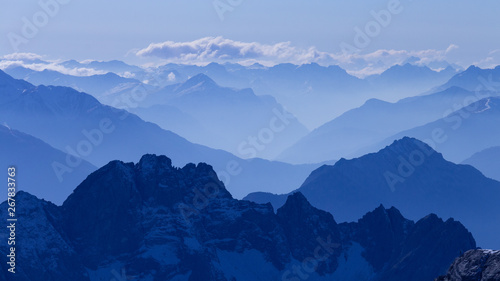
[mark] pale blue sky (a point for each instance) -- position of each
(109, 29)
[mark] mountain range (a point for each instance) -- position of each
(459, 134)
(76, 123)
(476, 79)
(411, 176)
(408, 80)
(309, 217)
(101, 86)
(237, 121)
(315, 94)
(355, 132)
(153, 221)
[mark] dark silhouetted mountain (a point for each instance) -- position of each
(77, 123)
(487, 161)
(229, 118)
(394, 244)
(46, 250)
(39, 166)
(480, 265)
(411, 176)
(373, 122)
(461, 133)
(153, 221)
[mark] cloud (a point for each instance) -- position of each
(22, 56)
(220, 49)
(171, 77)
(4, 64)
(376, 62)
(491, 61)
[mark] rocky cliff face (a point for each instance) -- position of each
(153, 221)
(475, 265)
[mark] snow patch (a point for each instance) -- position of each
(353, 265)
(249, 265)
(164, 254)
(486, 106)
(491, 252)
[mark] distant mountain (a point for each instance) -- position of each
(487, 161)
(162, 115)
(476, 79)
(408, 80)
(114, 66)
(153, 221)
(411, 176)
(373, 122)
(313, 93)
(237, 121)
(480, 265)
(436, 65)
(461, 133)
(317, 94)
(77, 123)
(100, 86)
(41, 169)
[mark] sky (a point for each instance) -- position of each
(360, 35)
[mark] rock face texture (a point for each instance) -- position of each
(475, 265)
(153, 221)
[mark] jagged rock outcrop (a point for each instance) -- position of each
(475, 265)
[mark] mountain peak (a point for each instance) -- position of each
(199, 80)
(408, 67)
(151, 161)
(297, 201)
(471, 69)
(200, 77)
(151, 179)
(408, 145)
(299, 208)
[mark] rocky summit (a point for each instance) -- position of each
(477, 265)
(154, 221)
